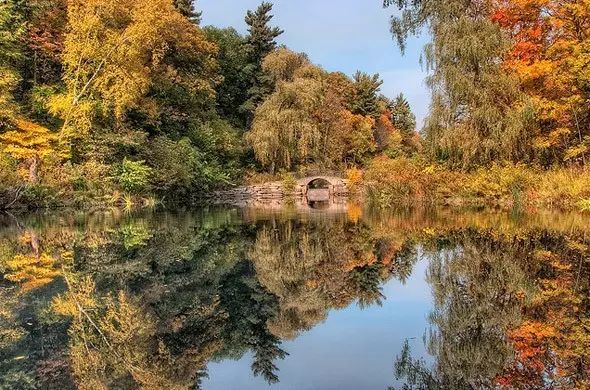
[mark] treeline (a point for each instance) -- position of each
(509, 79)
(106, 101)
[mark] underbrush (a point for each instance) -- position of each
(391, 182)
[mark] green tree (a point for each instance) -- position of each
(364, 98)
(12, 30)
(187, 8)
(477, 113)
(401, 115)
(260, 41)
(285, 131)
(232, 58)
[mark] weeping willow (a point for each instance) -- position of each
(285, 131)
(477, 115)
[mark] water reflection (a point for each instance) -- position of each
(149, 301)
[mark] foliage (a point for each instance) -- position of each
(132, 47)
(187, 8)
(549, 56)
(403, 180)
(232, 58)
(478, 114)
(30, 142)
(364, 94)
(134, 175)
(260, 42)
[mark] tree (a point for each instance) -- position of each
(284, 132)
(549, 56)
(232, 58)
(12, 30)
(45, 41)
(405, 121)
(120, 56)
(364, 97)
(187, 8)
(401, 115)
(478, 114)
(31, 143)
(260, 41)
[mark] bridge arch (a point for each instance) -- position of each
(333, 185)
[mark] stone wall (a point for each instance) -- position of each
(274, 191)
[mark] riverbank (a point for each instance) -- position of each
(384, 183)
(387, 182)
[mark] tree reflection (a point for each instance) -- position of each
(495, 322)
(115, 301)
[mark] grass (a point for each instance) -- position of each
(405, 181)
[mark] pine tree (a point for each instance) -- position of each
(187, 8)
(401, 115)
(260, 41)
(364, 99)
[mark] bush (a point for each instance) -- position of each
(134, 176)
(391, 181)
(174, 165)
(288, 182)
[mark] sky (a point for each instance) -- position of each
(339, 35)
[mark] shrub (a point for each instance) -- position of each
(174, 164)
(288, 182)
(355, 179)
(134, 175)
(392, 181)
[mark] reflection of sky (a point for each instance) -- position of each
(352, 349)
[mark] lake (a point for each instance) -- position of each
(288, 298)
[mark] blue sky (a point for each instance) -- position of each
(343, 35)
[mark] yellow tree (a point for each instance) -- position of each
(115, 51)
(30, 143)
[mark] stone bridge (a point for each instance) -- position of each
(312, 188)
(320, 188)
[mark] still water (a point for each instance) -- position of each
(346, 298)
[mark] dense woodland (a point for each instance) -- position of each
(111, 102)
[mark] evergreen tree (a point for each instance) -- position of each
(187, 8)
(364, 99)
(260, 41)
(401, 115)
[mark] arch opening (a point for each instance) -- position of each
(318, 183)
(318, 190)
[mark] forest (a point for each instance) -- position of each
(134, 103)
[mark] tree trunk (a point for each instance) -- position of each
(33, 170)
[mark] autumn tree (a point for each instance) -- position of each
(477, 114)
(549, 56)
(116, 54)
(260, 41)
(45, 41)
(30, 143)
